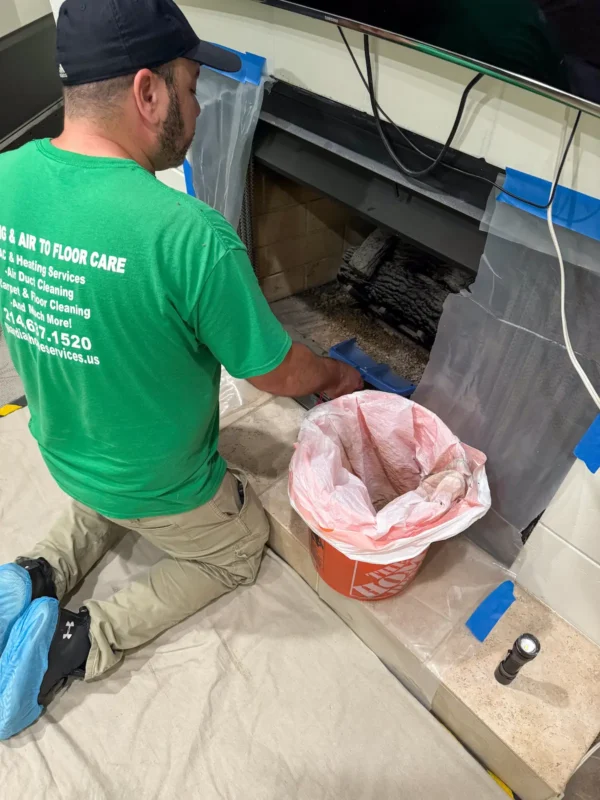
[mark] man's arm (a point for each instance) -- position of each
(302, 372)
(233, 319)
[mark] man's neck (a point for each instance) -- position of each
(88, 140)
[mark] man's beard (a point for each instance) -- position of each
(172, 146)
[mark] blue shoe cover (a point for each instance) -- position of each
(15, 596)
(23, 666)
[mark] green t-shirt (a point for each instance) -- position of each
(120, 299)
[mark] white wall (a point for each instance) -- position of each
(174, 178)
(16, 13)
(505, 125)
(560, 563)
(9, 17)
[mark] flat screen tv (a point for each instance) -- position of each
(549, 46)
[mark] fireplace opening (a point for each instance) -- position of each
(331, 275)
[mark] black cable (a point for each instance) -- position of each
(542, 206)
(413, 173)
(437, 161)
(381, 110)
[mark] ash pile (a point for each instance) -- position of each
(401, 284)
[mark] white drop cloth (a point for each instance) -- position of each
(265, 695)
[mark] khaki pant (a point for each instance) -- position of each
(209, 551)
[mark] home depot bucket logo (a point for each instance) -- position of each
(357, 578)
(385, 581)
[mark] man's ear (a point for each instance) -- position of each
(148, 88)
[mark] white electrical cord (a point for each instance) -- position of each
(579, 369)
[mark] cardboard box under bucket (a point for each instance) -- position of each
(359, 579)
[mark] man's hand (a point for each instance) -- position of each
(302, 372)
(348, 380)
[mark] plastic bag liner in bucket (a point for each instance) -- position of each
(378, 478)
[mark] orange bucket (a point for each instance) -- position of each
(359, 579)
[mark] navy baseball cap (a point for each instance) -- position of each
(101, 39)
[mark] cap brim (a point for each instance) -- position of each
(211, 55)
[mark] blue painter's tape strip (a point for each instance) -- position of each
(251, 70)
(489, 611)
(588, 449)
(189, 181)
(379, 376)
(574, 210)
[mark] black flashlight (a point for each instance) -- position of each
(523, 650)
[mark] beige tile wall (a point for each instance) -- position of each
(300, 236)
(560, 562)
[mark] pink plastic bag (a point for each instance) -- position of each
(381, 478)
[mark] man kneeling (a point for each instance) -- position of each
(123, 379)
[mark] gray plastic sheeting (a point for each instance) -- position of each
(221, 149)
(499, 374)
